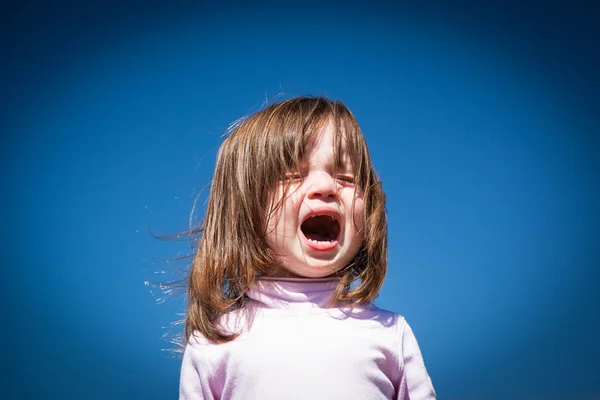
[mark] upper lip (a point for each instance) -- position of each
(332, 212)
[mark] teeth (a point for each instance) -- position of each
(319, 241)
(331, 217)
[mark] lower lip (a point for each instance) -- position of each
(320, 246)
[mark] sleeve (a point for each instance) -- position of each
(415, 382)
(194, 380)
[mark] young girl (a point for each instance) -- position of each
(293, 253)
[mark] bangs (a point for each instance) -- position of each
(350, 147)
(293, 128)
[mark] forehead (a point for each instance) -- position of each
(329, 142)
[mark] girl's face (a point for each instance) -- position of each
(319, 227)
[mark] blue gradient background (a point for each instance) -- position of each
(483, 122)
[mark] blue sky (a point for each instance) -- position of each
(482, 122)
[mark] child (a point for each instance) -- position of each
(293, 253)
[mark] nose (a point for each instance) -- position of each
(322, 186)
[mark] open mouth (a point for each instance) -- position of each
(321, 228)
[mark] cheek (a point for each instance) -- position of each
(359, 215)
(273, 211)
(280, 211)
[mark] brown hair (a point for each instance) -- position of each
(232, 250)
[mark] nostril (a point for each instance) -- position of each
(322, 187)
(329, 195)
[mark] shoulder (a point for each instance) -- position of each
(198, 349)
(395, 326)
(382, 313)
(203, 355)
(197, 340)
(373, 313)
(402, 329)
(383, 326)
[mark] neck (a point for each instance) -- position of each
(293, 292)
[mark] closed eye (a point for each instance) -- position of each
(345, 178)
(291, 177)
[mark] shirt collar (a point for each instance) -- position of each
(289, 293)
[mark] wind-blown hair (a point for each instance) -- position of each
(233, 252)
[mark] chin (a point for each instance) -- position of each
(312, 272)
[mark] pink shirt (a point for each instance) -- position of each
(293, 347)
